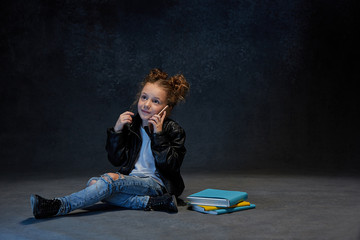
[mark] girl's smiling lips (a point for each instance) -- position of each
(145, 111)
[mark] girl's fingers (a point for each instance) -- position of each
(153, 122)
(127, 119)
(157, 118)
(163, 116)
(153, 118)
(157, 124)
(127, 114)
(123, 119)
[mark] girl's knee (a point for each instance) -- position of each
(113, 176)
(92, 182)
(108, 177)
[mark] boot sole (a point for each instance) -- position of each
(174, 200)
(33, 202)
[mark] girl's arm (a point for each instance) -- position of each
(115, 143)
(168, 148)
(115, 146)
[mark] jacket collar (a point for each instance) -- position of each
(135, 125)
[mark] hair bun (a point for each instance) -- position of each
(180, 86)
(156, 74)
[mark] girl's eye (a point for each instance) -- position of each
(156, 101)
(143, 97)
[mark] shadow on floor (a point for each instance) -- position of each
(92, 210)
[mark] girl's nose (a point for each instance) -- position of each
(147, 104)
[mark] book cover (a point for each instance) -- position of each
(217, 197)
(223, 210)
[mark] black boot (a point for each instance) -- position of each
(44, 208)
(165, 203)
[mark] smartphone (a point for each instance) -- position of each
(150, 127)
(163, 110)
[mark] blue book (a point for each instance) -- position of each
(222, 210)
(216, 197)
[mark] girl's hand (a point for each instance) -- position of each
(123, 119)
(157, 122)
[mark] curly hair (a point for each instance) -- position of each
(176, 87)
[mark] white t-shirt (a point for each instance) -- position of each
(145, 165)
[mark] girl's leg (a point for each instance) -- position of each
(126, 191)
(141, 193)
(135, 191)
(127, 200)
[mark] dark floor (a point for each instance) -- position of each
(287, 207)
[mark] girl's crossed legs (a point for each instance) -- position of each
(114, 188)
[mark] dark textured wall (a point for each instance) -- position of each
(271, 81)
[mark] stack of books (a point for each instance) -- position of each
(216, 201)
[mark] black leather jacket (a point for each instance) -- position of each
(167, 147)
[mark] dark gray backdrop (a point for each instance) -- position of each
(272, 82)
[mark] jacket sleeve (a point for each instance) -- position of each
(115, 147)
(168, 148)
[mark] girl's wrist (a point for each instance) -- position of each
(158, 130)
(117, 130)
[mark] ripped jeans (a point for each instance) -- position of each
(127, 191)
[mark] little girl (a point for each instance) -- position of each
(147, 147)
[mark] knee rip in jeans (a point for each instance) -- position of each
(92, 182)
(113, 176)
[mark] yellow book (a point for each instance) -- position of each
(211, 208)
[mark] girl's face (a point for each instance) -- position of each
(152, 100)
